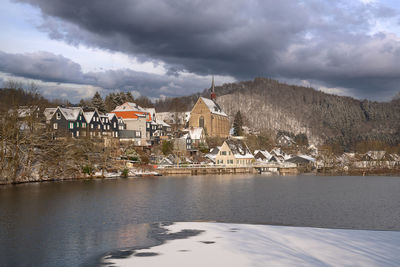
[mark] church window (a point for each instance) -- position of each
(201, 122)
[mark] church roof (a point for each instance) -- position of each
(213, 107)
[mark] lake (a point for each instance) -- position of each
(75, 222)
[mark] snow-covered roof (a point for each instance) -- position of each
(49, 112)
(111, 115)
(300, 159)
(276, 151)
(213, 107)
(215, 150)
(196, 133)
(130, 106)
(24, 111)
(307, 158)
(88, 116)
(166, 161)
(211, 157)
(163, 123)
(152, 112)
(239, 149)
(71, 113)
(265, 153)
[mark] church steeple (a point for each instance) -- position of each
(213, 95)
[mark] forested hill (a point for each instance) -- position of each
(270, 105)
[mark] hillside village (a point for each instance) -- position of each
(142, 141)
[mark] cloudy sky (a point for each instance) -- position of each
(167, 48)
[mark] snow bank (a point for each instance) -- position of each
(224, 244)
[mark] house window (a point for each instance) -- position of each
(77, 124)
(55, 126)
(115, 125)
(77, 134)
(99, 126)
(223, 153)
(58, 116)
(71, 125)
(138, 134)
(108, 127)
(83, 125)
(222, 161)
(91, 126)
(116, 134)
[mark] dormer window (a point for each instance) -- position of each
(58, 116)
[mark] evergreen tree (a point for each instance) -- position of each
(109, 102)
(129, 97)
(98, 103)
(238, 124)
(122, 97)
(82, 103)
(117, 99)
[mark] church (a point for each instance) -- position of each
(207, 114)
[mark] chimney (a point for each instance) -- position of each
(213, 95)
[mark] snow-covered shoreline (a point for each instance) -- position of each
(223, 244)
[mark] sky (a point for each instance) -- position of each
(71, 49)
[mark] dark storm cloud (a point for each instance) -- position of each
(48, 67)
(42, 66)
(328, 41)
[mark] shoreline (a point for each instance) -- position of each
(326, 174)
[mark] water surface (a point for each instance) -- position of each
(70, 223)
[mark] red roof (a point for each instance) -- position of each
(131, 114)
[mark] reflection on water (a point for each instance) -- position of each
(67, 223)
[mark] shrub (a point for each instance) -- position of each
(124, 173)
(87, 170)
